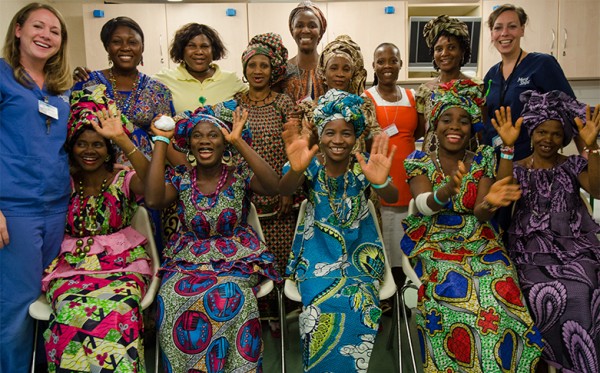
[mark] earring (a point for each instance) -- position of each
(531, 144)
(433, 143)
(226, 157)
(109, 61)
(190, 157)
(107, 159)
(142, 61)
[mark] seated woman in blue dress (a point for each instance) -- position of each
(337, 257)
(208, 318)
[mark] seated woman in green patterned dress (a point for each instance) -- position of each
(471, 314)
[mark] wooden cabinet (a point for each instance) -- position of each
(150, 17)
(232, 29)
(566, 29)
(368, 25)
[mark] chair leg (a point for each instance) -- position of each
(156, 353)
(397, 318)
(407, 326)
(34, 346)
(283, 325)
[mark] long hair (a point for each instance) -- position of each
(57, 73)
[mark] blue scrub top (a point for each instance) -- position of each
(34, 168)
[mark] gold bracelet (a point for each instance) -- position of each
(131, 152)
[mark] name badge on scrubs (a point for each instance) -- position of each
(497, 141)
(391, 130)
(47, 109)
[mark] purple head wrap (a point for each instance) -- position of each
(553, 105)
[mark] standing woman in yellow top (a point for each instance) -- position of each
(396, 112)
(198, 81)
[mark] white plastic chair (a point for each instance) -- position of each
(41, 310)
(387, 290)
(266, 286)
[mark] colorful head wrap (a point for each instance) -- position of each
(221, 115)
(444, 23)
(462, 93)
(557, 105)
(270, 45)
(338, 104)
(84, 105)
(310, 6)
(344, 46)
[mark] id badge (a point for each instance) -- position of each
(497, 141)
(391, 130)
(47, 109)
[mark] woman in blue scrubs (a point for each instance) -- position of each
(34, 175)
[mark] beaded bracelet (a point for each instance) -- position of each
(381, 186)
(591, 151)
(161, 138)
(507, 149)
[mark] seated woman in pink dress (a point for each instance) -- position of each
(98, 280)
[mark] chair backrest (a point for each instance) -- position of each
(254, 221)
(141, 223)
(387, 288)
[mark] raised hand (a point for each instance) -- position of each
(377, 169)
(456, 178)
(588, 132)
(110, 125)
(81, 74)
(503, 192)
(157, 132)
(504, 126)
(297, 145)
(240, 117)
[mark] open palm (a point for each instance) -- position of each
(588, 132)
(377, 169)
(504, 126)
(297, 146)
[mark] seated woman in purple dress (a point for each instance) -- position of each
(552, 237)
(208, 318)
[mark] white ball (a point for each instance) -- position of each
(165, 123)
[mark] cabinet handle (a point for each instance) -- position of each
(565, 45)
(553, 41)
(162, 59)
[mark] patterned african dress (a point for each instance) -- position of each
(338, 261)
(148, 98)
(553, 242)
(208, 316)
(471, 315)
(96, 323)
(266, 124)
(302, 84)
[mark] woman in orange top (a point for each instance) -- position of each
(397, 115)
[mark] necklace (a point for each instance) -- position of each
(439, 164)
(338, 209)
(539, 207)
(259, 102)
(90, 210)
(398, 98)
(123, 100)
(214, 196)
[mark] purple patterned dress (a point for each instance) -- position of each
(208, 315)
(553, 242)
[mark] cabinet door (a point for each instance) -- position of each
(273, 17)
(150, 17)
(540, 31)
(579, 38)
(368, 25)
(232, 29)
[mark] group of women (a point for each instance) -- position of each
(303, 128)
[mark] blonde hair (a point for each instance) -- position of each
(57, 72)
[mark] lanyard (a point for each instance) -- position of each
(505, 83)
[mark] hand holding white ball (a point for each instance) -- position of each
(165, 123)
